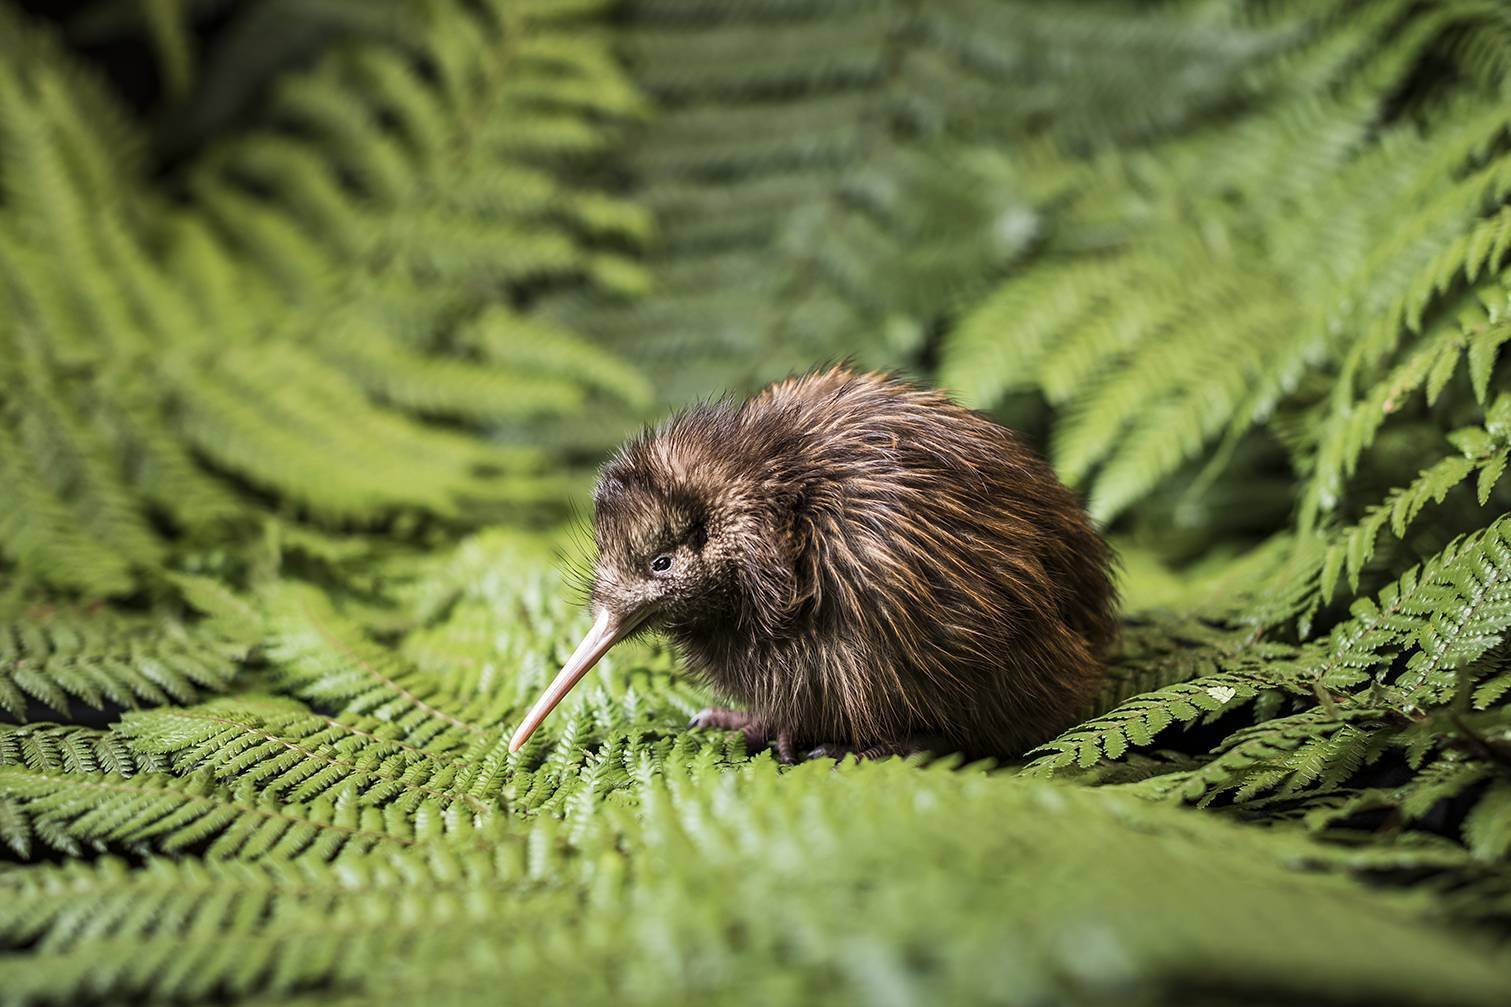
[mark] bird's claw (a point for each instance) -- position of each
(865, 753)
(759, 736)
(720, 718)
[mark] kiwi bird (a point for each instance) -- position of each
(858, 566)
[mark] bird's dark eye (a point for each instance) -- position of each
(661, 564)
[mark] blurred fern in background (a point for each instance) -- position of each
(309, 343)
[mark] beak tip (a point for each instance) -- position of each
(605, 633)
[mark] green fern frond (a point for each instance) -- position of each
(1168, 674)
(323, 658)
(1448, 776)
(39, 532)
(283, 749)
(1047, 302)
(390, 922)
(1138, 721)
(393, 195)
(1491, 689)
(1444, 615)
(1351, 427)
(99, 657)
(78, 812)
(1191, 321)
(71, 749)
(1483, 457)
(1487, 829)
(1253, 758)
(812, 195)
(1242, 267)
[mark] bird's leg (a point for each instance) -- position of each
(786, 751)
(902, 748)
(758, 735)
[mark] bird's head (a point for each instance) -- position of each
(673, 526)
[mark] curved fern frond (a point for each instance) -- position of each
(821, 200)
(395, 193)
(283, 749)
(323, 658)
(446, 919)
(1180, 675)
(71, 749)
(99, 656)
(1254, 760)
(1473, 330)
(1443, 616)
(1484, 451)
(1243, 267)
(78, 812)
(1173, 313)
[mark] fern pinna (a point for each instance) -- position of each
(301, 369)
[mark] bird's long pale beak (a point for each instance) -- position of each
(608, 629)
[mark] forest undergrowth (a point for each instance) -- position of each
(310, 346)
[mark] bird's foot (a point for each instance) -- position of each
(876, 750)
(757, 734)
(720, 718)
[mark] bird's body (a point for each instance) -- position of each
(859, 562)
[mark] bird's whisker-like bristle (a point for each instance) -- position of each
(574, 556)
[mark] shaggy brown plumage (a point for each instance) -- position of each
(860, 564)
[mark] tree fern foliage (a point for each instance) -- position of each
(305, 361)
(829, 176)
(324, 287)
(53, 655)
(386, 845)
